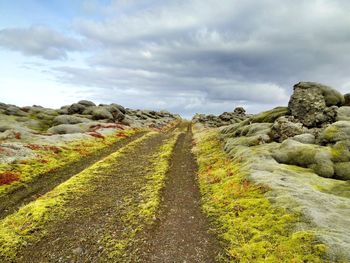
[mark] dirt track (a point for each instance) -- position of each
(180, 231)
(47, 181)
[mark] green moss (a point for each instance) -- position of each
(48, 160)
(29, 223)
(138, 214)
(251, 229)
(270, 115)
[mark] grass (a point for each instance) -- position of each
(250, 227)
(49, 158)
(141, 213)
(29, 223)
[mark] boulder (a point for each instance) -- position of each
(239, 111)
(343, 113)
(342, 170)
(15, 111)
(338, 131)
(331, 96)
(121, 108)
(347, 99)
(86, 103)
(76, 108)
(270, 115)
(285, 127)
(68, 119)
(65, 129)
(305, 155)
(314, 104)
(101, 113)
(306, 138)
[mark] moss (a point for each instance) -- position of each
(29, 223)
(270, 115)
(138, 213)
(251, 229)
(48, 160)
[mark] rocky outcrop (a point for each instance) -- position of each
(347, 99)
(314, 105)
(223, 119)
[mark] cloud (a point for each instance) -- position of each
(202, 56)
(38, 41)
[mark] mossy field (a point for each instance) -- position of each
(248, 225)
(162, 196)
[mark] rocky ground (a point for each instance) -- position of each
(79, 121)
(302, 152)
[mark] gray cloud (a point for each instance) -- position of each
(38, 41)
(207, 56)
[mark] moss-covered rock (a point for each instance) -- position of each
(69, 119)
(331, 96)
(343, 113)
(286, 127)
(270, 115)
(338, 131)
(306, 138)
(342, 170)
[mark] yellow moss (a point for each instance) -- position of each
(48, 160)
(252, 230)
(141, 213)
(30, 221)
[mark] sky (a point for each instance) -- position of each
(204, 56)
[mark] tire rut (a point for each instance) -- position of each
(78, 238)
(44, 183)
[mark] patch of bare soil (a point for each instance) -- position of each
(181, 234)
(47, 181)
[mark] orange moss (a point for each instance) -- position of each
(8, 177)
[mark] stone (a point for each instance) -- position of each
(306, 155)
(347, 99)
(76, 108)
(313, 104)
(239, 111)
(343, 113)
(68, 119)
(335, 132)
(15, 111)
(342, 170)
(121, 108)
(86, 103)
(270, 115)
(100, 113)
(306, 138)
(285, 127)
(331, 96)
(65, 129)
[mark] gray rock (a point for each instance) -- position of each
(65, 129)
(343, 113)
(338, 131)
(347, 99)
(15, 111)
(68, 119)
(86, 103)
(306, 138)
(285, 127)
(342, 170)
(239, 111)
(331, 96)
(121, 108)
(306, 155)
(76, 108)
(101, 113)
